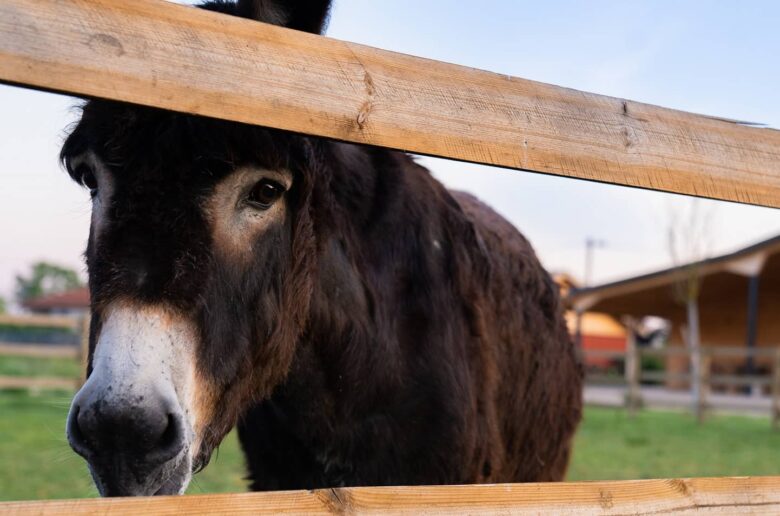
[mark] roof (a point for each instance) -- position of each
(591, 324)
(641, 294)
(75, 298)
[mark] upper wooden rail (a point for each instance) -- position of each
(679, 496)
(180, 58)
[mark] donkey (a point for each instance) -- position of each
(357, 322)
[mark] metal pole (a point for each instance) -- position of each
(590, 245)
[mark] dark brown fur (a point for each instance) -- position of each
(389, 332)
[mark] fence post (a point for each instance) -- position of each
(776, 391)
(703, 380)
(632, 370)
(84, 348)
(695, 381)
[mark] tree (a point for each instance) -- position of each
(690, 239)
(3, 307)
(45, 278)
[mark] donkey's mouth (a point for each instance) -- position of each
(177, 483)
(125, 478)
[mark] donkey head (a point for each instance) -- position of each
(199, 258)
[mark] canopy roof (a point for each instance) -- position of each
(723, 279)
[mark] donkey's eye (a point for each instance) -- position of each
(87, 178)
(264, 194)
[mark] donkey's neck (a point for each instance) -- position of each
(388, 307)
(367, 314)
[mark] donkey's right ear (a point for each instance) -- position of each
(305, 15)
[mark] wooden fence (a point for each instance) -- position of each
(700, 384)
(42, 351)
(175, 57)
(727, 496)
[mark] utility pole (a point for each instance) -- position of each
(591, 244)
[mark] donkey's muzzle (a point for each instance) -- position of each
(132, 443)
(133, 418)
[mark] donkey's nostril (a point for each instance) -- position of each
(100, 429)
(171, 441)
(75, 436)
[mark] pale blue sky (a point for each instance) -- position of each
(713, 57)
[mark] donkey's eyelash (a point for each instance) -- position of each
(82, 173)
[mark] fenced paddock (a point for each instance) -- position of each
(701, 384)
(169, 56)
(76, 353)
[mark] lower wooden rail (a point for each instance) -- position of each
(738, 495)
(39, 382)
(38, 350)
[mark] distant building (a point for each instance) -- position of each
(738, 303)
(73, 303)
(597, 331)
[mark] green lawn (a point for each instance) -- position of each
(37, 463)
(612, 446)
(30, 366)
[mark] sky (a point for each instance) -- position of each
(716, 57)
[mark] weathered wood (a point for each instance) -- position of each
(666, 351)
(776, 391)
(176, 57)
(41, 383)
(37, 350)
(738, 351)
(83, 352)
(632, 369)
(740, 379)
(604, 353)
(703, 386)
(45, 321)
(604, 379)
(703, 496)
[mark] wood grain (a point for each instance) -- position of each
(678, 496)
(46, 321)
(176, 57)
(40, 383)
(23, 349)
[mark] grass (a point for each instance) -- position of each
(37, 463)
(34, 366)
(610, 445)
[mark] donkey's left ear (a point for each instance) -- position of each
(305, 15)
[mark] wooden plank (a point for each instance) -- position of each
(20, 382)
(603, 353)
(740, 380)
(739, 351)
(665, 352)
(776, 392)
(601, 379)
(176, 57)
(702, 496)
(83, 351)
(45, 321)
(661, 376)
(38, 350)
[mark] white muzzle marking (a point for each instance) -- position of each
(143, 353)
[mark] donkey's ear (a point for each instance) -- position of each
(305, 15)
